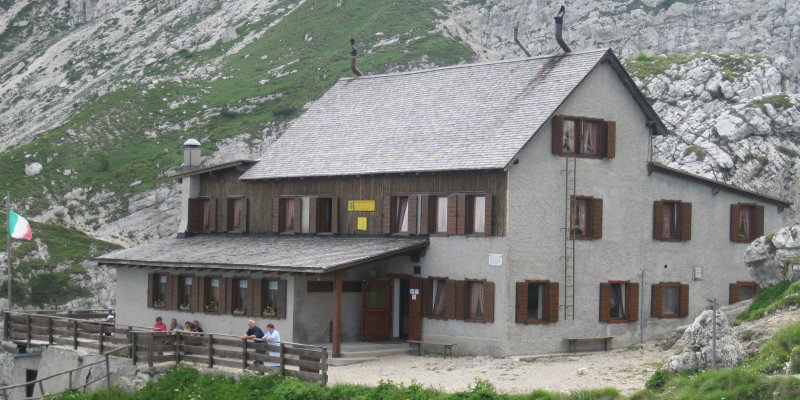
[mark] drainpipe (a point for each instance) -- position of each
(190, 185)
(559, 21)
(354, 58)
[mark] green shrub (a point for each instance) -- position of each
(656, 381)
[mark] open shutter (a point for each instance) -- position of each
(633, 300)
(605, 302)
(427, 297)
(686, 221)
(597, 218)
(461, 220)
(281, 311)
(733, 295)
(552, 292)
(194, 300)
(558, 134)
(488, 215)
(172, 292)
(249, 307)
(387, 214)
(424, 214)
(255, 300)
(450, 302)
(151, 287)
(312, 214)
(656, 300)
(298, 211)
(227, 304)
(736, 210)
(412, 214)
(488, 302)
(334, 215)
(212, 214)
(195, 215)
(658, 219)
(243, 216)
(683, 303)
(200, 288)
(276, 214)
(759, 221)
(610, 139)
(522, 302)
(461, 298)
(452, 214)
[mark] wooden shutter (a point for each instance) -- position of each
(488, 302)
(558, 134)
(597, 218)
(243, 216)
(387, 214)
(552, 301)
(461, 220)
(427, 297)
(450, 301)
(462, 299)
(298, 210)
(276, 214)
(733, 295)
(412, 214)
(312, 214)
(522, 302)
(201, 293)
(227, 284)
(255, 301)
(194, 300)
(683, 302)
(151, 288)
(424, 209)
(212, 214)
(610, 139)
(656, 300)
(334, 215)
(195, 215)
(686, 221)
(415, 307)
(172, 292)
(281, 311)
(452, 214)
(759, 231)
(633, 301)
(736, 210)
(488, 215)
(605, 302)
(658, 219)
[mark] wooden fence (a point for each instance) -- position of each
(292, 359)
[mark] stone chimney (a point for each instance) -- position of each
(190, 185)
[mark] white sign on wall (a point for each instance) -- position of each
(495, 260)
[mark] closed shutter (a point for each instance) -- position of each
(610, 139)
(412, 214)
(212, 214)
(461, 298)
(597, 218)
(258, 306)
(194, 301)
(281, 311)
(223, 222)
(452, 214)
(633, 300)
(733, 295)
(488, 302)
(461, 220)
(759, 231)
(552, 291)
(605, 302)
(312, 214)
(558, 134)
(686, 221)
(172, 292)
(658, 219)
(424, 214)
(427, 297)
(201, 293)
(298, 210)
(195, 215)
(683, 304)
(334, 215)
(736, 210)
(387, 214)
(227, 294)
(250, 307)
(151, 287)
(522, 302)
(487, 230)
(656, 300)
(276, 214)
(450, 303)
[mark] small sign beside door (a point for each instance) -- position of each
(413, 293)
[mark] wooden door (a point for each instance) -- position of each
(414, 309)
(376, 310)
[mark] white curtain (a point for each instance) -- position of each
(480, 214)
(289, 219)
(237, 209)
(580, 217)
(441, 214)
(569, 136)
(402, 214)
(206, 214)
(441, 296)
(669, 302)
(618, 300)
(476, 300)
(744, 222)
(670, 211)
(589, 137)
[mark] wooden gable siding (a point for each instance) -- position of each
(259, 194)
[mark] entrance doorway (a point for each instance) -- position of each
(376, 310)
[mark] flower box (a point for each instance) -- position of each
(159, 304)
(211, 308)
(185, 307)
(239, 312)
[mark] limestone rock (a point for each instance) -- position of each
(33, 168)
(697, 345)
(774, 258)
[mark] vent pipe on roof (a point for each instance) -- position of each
(354, 59)
(521, 46)
(559, 21)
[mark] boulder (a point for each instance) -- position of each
(774, 258)
(697, 345)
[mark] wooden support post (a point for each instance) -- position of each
(7, 325)
(28, 324)
(324, 371)
(74, 333)
(283, 359)
(133, 346)
(132, 349)
(108, 373)
(150, 350)
(210, 351)
(244, 354)
(336, 346)
(41, 388)
(100, 339)
(177, 347)
(50, 330)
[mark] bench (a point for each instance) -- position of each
(446, 347)
(574, 340)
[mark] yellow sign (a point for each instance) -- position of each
(361, 205)
(362, 223)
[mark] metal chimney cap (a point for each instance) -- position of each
(191, 142)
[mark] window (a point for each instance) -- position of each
(289, 216)
(324, 215)
(583, 137)
(240, 296)
(747, 222)
(212, 295)
(400, 214)
(237, 214)
(741, 291)
(202, 215)
(434, 214)
(439, 298)
(158, 291)
(269, 297)
(672, 221)
(537, 302)
(476, 214)
(619, 301)
(587, 218)
(669, 300)
(185, 293)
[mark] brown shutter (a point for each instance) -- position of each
(414, 310)
(249, 307)
(243, 216)
(736, 210)
(151, 288)
(194, 301)
(334, 215)
(759, 222)
(558, 134)
(488, 220)
(387, 214)
(488, 302)
(172, 292)
(212, 214)
(281, 311)
(656, 300)
(412, 214)
(733, 296)
(423, 214)
(522, 302)
(450, 302)
(276, 214)
(633, 300)
(255, 300)
(552, 291)
(452, 214)
(227, 304)
(298, 210)
(312, 214)
(223, 222)
(195, 215)
(461, 298)
(610, 139)
(686, 221)
(658, 219)
(427, 297)
(597, 218)
(605, 302)
(461, 208)
(201, 293)
(683, 304)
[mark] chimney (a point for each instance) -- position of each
(190, 185)
(354, 59)
(559, 21)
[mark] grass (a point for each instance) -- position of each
(778, 101)
(771, 299)
(731, 66)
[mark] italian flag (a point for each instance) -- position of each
(18, 227)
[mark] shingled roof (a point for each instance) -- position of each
(314, 254)
(465, 117)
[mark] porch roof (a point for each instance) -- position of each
(307, 254)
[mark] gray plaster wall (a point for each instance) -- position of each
(13, 370)
(537, 211)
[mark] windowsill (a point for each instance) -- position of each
(668, 316)
(236, 231)
(288, 233)
(442, 317)
(618, 321)
(669, 240)
(325, 233)
(438, 234)
(582, 238)
(536, 322)
(576, 155)
(400, 234)
(480, 234)
(476, 320)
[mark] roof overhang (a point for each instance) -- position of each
(241, 165)
(315, 254)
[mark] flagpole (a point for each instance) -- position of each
(8, 246)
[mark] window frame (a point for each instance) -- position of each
(240, 303)
(631, 306)
(390, 211)
(156, 295)
(757, 221)
(208, 284)
(683, 221)
(735, 291)
(594, 218)
(230, 214)
(605, 142)
(182, 295)
(464, 288)
(430, 213)
(550, 302)
(657, 294)
(324, 213)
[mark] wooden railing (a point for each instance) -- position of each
(292, 359)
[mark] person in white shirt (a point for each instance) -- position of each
(274, 338)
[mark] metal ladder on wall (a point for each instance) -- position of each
(569, 172)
